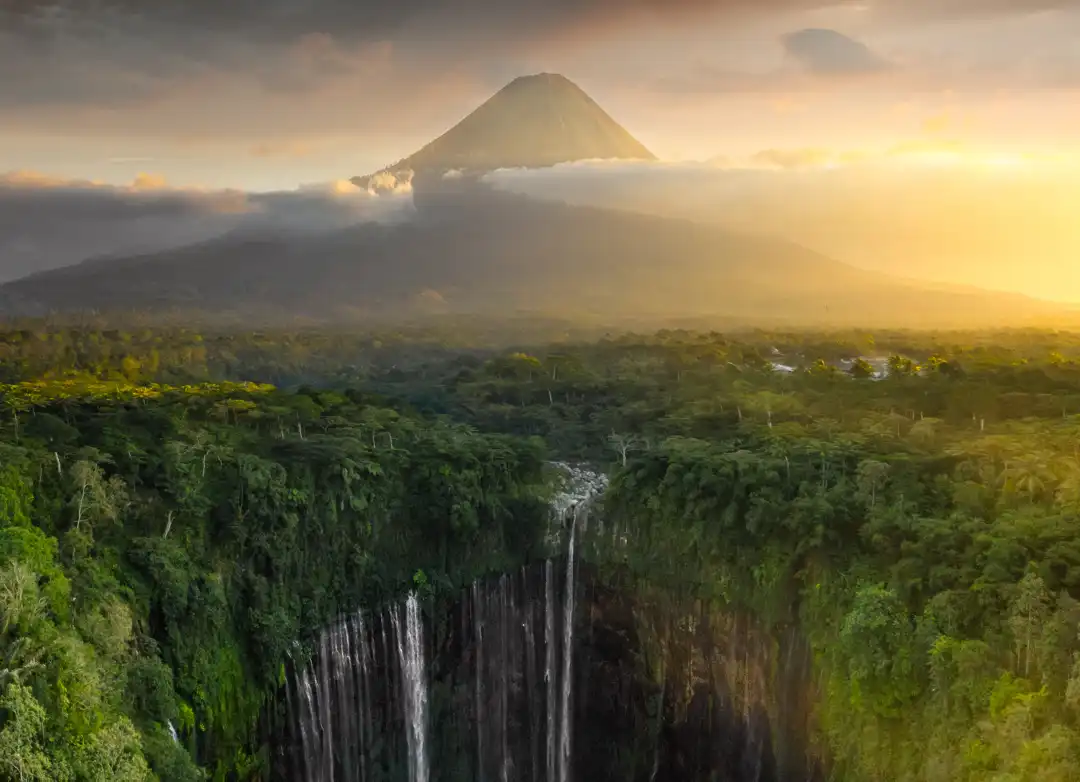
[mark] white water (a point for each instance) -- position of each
(478, 635)
(323, 695)
(568, 659)
(172, 732)
(307, 723)
(361, 636)
(504, 678)
(549, 664)
(410, 646)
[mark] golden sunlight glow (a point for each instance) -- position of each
(928, 153)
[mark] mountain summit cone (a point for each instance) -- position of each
(533, 122)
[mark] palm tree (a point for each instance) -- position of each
(1027, 474)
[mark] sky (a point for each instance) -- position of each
(260, 95)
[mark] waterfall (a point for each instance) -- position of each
(507, 683)
(307, 724)
(360, 711)
(568, 657)
(478, 679)
(172, 732)
(493, 700)
(410, 646)
(530, 683)
(323, 693)
(506, 658)
(549, 664)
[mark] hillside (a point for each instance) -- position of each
(496, 254)
(532, 122)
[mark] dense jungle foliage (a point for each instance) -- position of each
(165, 545)
(163, 549)
(918, 523)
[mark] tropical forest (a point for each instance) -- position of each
(531, 551)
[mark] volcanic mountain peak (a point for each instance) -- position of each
(533, 122)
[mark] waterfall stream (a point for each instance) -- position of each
(410, 646)
(554, 672)
(568, 656)
(549, 664)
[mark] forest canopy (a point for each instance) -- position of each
(908, 501)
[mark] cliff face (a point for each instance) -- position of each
(672, 690)
(648, 689)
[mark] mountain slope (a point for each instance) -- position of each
(532, 122)
(496, 254)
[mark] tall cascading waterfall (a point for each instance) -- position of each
(558, 669)
(549, 668)
(565, 714)
(489, 699)
(410, 645)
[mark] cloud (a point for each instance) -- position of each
(149, 182)
(829, 53)
(248, 78)
(118, 52)
(386, 182)
(822, 64)
(953, 10)
(792, 158)
(47, 221)
(285, 20)
(931, 209)
(815, 56)
(376, 19)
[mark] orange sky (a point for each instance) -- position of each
(216, 101)
(716, 79)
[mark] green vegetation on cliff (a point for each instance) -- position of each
(162, 547)
(919, 530)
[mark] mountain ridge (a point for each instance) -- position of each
(497, 255)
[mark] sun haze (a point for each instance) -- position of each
(898, 136)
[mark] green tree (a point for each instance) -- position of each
(23, 757)
(94, 497)
(1030, 610)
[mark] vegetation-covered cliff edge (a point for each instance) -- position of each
(903, 546)
(167, 550)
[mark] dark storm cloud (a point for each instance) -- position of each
(382, 19)
(829, 53)
(47, 223)
(363, 19)
(104, 54)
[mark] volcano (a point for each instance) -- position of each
(468, 248)
(533, 122)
